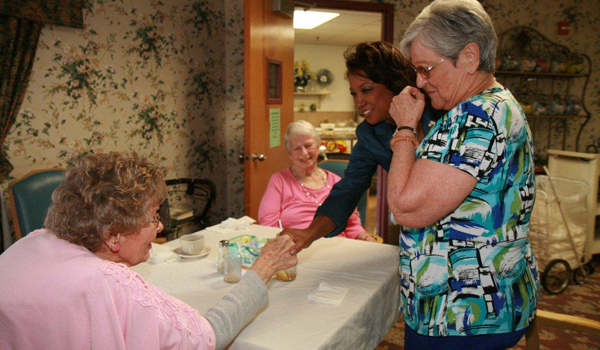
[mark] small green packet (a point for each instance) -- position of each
(248, 247)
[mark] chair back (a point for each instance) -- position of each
(30, 197)
(193, 199)
(338, 167)
(561, 321)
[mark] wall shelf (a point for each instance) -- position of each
(541, 74)
(318, 95)
(311, 93)
(550, 82)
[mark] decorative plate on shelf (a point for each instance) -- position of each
(324, 77)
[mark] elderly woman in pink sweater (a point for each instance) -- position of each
(294, 194)
(69, 286)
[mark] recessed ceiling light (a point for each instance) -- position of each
(311, 19)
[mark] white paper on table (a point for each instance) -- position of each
(328, 294)
(160, 254)
(233, 225)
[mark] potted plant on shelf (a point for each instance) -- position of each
(302, 75)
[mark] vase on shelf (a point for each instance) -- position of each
(311, 87)
(300, 83)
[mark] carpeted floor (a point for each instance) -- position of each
(579, 300)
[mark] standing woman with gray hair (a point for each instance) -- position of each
(293, 195)
(464, 195)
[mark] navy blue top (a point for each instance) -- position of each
(372, 149)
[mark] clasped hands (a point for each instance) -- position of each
(275, 255)
(304, 238)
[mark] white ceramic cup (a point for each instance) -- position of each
(192, 244)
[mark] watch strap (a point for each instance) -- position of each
(413, 130)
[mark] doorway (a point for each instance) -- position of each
(325, 101)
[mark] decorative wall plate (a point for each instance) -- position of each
(324, 77)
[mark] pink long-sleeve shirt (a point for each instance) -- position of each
(285, 199)
(58, 295)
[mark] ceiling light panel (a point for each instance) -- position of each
(312, 19)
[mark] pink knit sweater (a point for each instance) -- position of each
(285, 199)
(57, 295)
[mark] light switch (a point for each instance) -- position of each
(563, 28)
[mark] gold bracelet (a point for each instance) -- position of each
(399, 138)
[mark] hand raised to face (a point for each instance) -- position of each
(407, 107)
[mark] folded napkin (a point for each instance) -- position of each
(328, 294)
(242, 223)
(161, 253)
(233, 225)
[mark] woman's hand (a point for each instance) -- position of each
(363, 236)
(407, 107)
(275, 255)
(301, 238)
(370, 238)
(319, 227)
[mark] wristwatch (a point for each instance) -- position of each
(414, 131)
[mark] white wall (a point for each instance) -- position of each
(331, 58)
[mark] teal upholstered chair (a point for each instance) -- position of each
(338, 166)
(30, 197)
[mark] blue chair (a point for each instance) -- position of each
(338, 166)
(30, 197)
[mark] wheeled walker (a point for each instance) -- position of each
(558, 232)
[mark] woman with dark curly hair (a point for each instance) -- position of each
(377, 72)
(69, 286)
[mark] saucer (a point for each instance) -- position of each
(203, 253)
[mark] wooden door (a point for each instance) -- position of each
(267, 36)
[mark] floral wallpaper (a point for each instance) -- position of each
(165, 78)
(147, 76)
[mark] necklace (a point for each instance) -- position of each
(305, 190)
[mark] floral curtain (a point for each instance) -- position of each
(18, 39)
(67, 13)
(21, 23)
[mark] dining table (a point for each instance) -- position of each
(291, 320)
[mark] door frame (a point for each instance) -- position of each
(387, 11)
(267, 35)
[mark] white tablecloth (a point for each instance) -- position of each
(369, 310)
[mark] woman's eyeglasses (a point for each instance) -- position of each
(156, 220)
(426, 71)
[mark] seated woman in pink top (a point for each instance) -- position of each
(69, 286)
(294, 194)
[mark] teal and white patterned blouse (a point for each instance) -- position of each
(473, 272)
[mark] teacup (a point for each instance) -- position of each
(192, 244)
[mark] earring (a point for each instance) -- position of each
(115, 247)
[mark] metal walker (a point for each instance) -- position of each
(557, 232)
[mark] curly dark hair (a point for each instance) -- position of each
(105, 195)
(382, 63)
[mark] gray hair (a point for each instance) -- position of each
(447, 26)
(300, 127)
